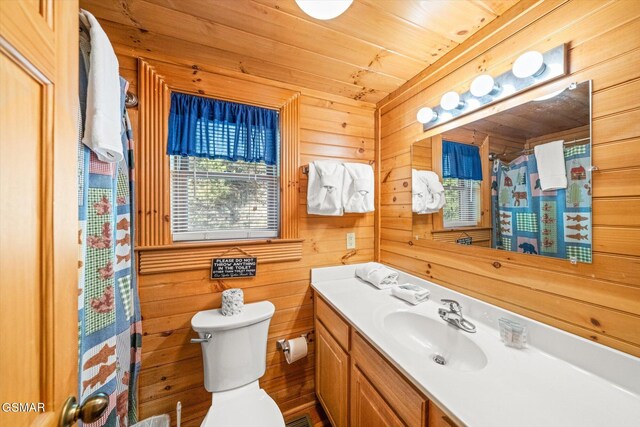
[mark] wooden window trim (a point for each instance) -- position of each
(156, 81)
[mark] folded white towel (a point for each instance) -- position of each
(551, 167)
(103, 115)
(427, 192)
(411, 293)
(357, 188)
(377, 274)
(324, 190)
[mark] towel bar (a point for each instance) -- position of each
(305, 168)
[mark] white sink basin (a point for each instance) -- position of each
(429, 338)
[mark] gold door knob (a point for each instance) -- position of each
(90, 411)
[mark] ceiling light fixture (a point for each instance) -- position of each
(426, 115)
(529, 70)
(324, 9)
(484, 85)
(529, 64)
(451, 101)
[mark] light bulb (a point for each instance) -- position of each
(549, 96)
(451, 101)
(426, 115)
(324, 9)
(529, 64)
(484, 85)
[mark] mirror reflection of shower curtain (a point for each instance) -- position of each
(552, 223)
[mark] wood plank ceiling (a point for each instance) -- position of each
(364, 54)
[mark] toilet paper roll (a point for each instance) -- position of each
(297, 349)
(232, 302)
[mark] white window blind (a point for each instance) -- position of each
(214, 199)
(462, 207)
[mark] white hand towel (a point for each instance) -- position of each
(103, 115)
(427, 192)
(377, 274)
(411, 293)
(551, 167)
(357, 188)
(324, 190)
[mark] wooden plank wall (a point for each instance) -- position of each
(599, 301)
(331, 127)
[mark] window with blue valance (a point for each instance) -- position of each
(225, 179)
(461, 161)
(215, 129)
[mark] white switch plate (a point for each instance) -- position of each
(351, 240)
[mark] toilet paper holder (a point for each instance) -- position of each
(282, 344)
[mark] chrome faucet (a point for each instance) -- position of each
(454, 316)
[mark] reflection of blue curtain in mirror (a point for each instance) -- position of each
(461, 177)
(552, 223)
(461, 161)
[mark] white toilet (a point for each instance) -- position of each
(234, 360)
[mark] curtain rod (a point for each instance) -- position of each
(494, 156)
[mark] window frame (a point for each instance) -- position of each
(156, 82)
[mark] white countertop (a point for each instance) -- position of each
(559, 380)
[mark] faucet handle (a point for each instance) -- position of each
(453, 305)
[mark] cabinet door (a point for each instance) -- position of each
(368, 408)
(437, 417)
(332, 376)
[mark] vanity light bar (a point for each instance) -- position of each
(534, 69)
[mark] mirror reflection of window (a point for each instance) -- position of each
(462, 175)
(462, 207)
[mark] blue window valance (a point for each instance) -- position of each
(206, 127)
(461, 161)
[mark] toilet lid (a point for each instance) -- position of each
(254, 408)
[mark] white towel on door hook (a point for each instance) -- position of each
(103, 119)
(324, 190)
(357, 189)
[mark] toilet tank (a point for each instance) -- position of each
(236, 354)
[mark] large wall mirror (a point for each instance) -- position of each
(518, 180)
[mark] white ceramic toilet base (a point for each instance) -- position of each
(248, 405)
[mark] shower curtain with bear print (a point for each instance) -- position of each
(552, 223)
(109, 315)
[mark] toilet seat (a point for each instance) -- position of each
(247, 406)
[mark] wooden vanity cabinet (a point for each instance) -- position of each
(437, 417)
(332, 364)
(358, 387)
(368, 407)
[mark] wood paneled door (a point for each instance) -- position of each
(38, 209)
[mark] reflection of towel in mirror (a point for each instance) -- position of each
(357, 189)
(552, 170)
(427, 193)
(377, 274)
(324, 191)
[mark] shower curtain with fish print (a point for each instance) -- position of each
(552, 223)
(109, 315)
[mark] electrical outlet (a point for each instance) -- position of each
(351, 240)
